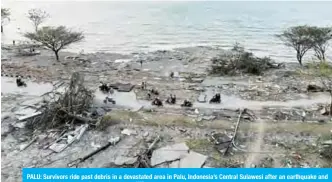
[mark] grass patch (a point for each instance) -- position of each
(198, 144)
(160, 119)
(122, 115)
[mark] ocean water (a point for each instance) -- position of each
(127, 27)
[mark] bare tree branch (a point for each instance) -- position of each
(37, 17)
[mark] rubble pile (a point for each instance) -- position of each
(64, 108)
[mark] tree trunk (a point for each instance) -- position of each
(1, 29)
(331, 104)
(56, 55)
(299, 58)
(36, 28)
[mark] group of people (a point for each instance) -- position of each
(106, 88)
(172, 100)
(153, 92)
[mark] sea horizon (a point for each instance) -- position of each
(121, 27)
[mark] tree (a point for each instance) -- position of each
(37, 17)
(55, 38)
(299, 38)
(5, 13)
(323, 71)
(321, 37)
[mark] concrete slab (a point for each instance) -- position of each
(122, 160)
(192, 160)
(202, 98)
(169, 153)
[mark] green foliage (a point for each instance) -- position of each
(297, 37)
(240, 61)
(303, 38)
(321, 69)
(320, 37)
(55, 38)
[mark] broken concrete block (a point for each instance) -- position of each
(128, 132)
(202, 98)
(114, 140)
(20, 125)
(121, 160)
(169, 153)
(192, 160)
(58, 147)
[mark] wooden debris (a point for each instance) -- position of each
(28, 144)
(143, 160)
(66, 107)
(235, 131)
(80, 160)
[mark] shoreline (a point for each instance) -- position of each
(278, 59)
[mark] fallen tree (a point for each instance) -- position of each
(64, 108)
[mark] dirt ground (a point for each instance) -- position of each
(277, 137)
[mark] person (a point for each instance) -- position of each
(143, 85)
(157, 102)
(169, 99)
(141, 61)
(215, 99)
(172, 74)
(20, 83)
(104, 88)
(111, 91)
(13, 42)
(155, 92)
(173, 99)
(186, 103)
